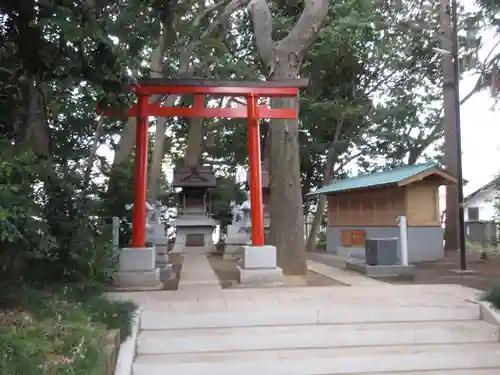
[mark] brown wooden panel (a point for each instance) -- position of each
(352, 238)
(423, 204)
(370, 207)
(358, 238)
(195, 240)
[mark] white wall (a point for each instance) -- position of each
(485, 201)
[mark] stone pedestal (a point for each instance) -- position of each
(156, 236)
(237, 237)
(137, 270)
(258, 266)
(194, 234)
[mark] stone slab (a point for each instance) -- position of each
(383, 270)
(259, 257)
(345, 360)
(142, 280)
(344, 276)
(314, 336)
(260, 276)
(137, 259)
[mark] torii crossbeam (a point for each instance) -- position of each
(252, 90)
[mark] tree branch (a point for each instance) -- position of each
(305, 31)
(262, 21)
(223, 18)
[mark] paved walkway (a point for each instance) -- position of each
(344, 276)
(197, 271)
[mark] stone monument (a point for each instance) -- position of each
(237, 233)
(194, 226)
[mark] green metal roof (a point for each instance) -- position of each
(392, 176)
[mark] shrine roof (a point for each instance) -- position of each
(397, 176)
(194, 177)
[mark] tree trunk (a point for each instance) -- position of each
(35, 129)
(284, 59)
(450, 118)
(287, 217)
(194, 147)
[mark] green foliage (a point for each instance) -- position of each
(57, 331)
(227, 191)
(24, 237)
(493, 296)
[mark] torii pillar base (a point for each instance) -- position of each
(137, 270)
(258, 267)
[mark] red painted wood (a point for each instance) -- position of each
(217, 91)
(240, 112)
(143, 109)
(141, 174)
(257, 210)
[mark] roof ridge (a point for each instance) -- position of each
(389, 176)
(400, 168)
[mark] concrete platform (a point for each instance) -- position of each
(261, 277)
(398, 271)
(359, 265)
(138, 280)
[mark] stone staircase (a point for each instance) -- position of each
(329, 333)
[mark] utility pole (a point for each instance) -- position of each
(460, 184)
(454, 226)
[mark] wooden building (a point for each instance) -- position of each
(368, 206)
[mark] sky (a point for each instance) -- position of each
(480, 127)
(480, 138)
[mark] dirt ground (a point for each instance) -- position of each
(227, 273)
(486, 272)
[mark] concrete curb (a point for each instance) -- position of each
(488, 313)
(128, 348)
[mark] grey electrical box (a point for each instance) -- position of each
(381, 251)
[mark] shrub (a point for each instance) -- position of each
(493, 296)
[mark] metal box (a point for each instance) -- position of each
(381, 251)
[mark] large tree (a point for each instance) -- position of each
(283, 59)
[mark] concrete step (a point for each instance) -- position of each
(485, 371)
(258, 315)
(314, 336)
(352, 360)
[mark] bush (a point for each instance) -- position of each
(58, 331)
(493, 296)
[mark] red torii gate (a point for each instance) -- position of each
(252, 90)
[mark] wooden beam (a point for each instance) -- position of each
(446, 177)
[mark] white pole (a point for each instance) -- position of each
(403, 241)
(116, 231)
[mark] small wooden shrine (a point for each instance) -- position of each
(194, 226)
(369, 206)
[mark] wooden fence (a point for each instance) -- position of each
(486, 233)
